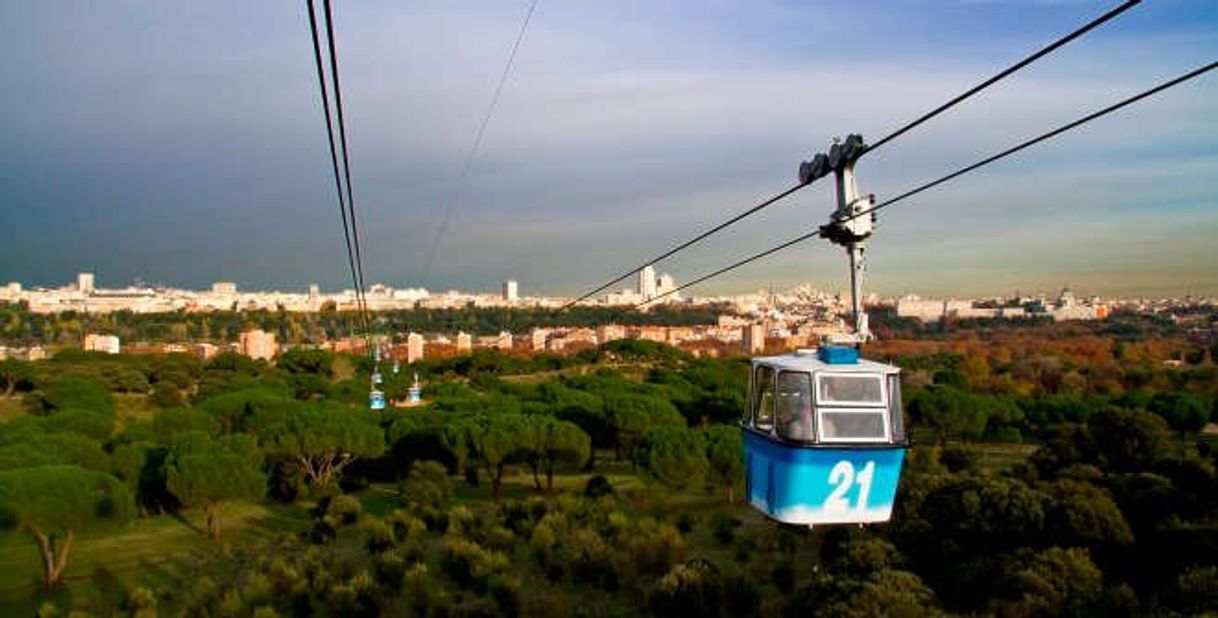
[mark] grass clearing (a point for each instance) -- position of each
(11, 408)
(156, 552)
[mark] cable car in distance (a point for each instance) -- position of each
(824, 437)
(376, 400)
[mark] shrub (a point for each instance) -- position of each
(342, 510)
(377, 535)
(505, 590)
(417, 593)
(598, 486)
(427, 485)
(589, 559)
(470, 564)
(784, 576)
(142, 603)
(691, 589)
(724, 528)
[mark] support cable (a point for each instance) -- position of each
(342, 134)
(925, 117)
(1007, 72)
(338, 184)
(956, 174)
(477, 145)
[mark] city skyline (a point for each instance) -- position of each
(183, 144)
(629, 292)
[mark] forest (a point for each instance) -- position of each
(19, 327)
(1055, 471)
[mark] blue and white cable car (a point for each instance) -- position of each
(376, 400)
(824, 437)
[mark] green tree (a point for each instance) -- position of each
(564, 443)
(93, 425)
(1055, 582)
(71, 392)
(173, 422)
(12, 373)
(675, 456)
(630, 415)
(1184, 412)
(204, 472)
(725, 453)
(325, 438)
(489, 440)
(251, 410)
(54, 503)
(1129, 440)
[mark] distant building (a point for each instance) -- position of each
(204, 351)
(414, 347)
(224, 287)
(465, 343)
(258, 344)
(753, 337)
(314, 291)
(511, 292)
(647, 282)
(505, 341)
(665, 284)
(101, 343)
(537, 338)
(84, 283)
(610, 332)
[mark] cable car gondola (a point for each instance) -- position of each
(376, 400)
(824, 437)
(824, 433)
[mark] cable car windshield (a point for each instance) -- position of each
(850, 389)
(763, 398)
(795, 406)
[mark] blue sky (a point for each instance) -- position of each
(183, 142)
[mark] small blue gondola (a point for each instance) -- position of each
(376, 400)
(824, 437)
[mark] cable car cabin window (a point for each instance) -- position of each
(853, 425)
(794, 406)
(897, 414)
(850, 389)
(763, 398)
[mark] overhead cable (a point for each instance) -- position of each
(925, 117)
(342, 135)
(1045, 51)
(956, 174)
(338, 183)
(477, 145)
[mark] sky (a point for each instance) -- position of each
(183, 143)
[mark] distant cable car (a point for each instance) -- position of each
(397, 366)
(415, 393)
(376, 400)
(824, 437)
(377, 379)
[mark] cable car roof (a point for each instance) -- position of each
(807, 360)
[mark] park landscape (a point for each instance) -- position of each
(1056, 470)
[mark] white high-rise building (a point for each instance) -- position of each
(84, 283)
(224, 287)
(102, 343)
(665, 284)
(258, 344)
(510, 291)
(414, 347)
(647, 282)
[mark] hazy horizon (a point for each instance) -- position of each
(184, 143)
